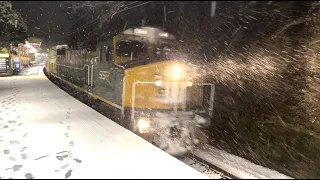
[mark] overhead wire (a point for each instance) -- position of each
(97, 19)
(78, 20)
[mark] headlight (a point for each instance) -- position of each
(143, 125)
(158, 83)
(176, 72)
(176, 68)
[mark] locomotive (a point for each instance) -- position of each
(140, 74)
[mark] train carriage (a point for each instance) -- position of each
(141, 74)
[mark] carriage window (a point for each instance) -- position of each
(61, 52)
(131, 49)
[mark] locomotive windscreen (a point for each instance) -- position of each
(129, 48)
(165, 49)
(143, 51)
(61, 52)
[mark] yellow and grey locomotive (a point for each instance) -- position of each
(141, 74)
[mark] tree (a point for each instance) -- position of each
(13, 26)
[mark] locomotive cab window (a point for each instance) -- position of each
(61, 52)
(127, 51)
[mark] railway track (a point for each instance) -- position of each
(206, 168)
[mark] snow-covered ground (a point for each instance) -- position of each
(33, 70)
(45, 133)
(235, 165)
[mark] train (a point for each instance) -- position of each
(141, 75)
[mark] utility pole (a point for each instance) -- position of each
(213, 8)
(164, 15)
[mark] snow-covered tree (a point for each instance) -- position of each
(13, 26)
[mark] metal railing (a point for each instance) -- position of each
(89, 80)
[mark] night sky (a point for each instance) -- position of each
(46, 19)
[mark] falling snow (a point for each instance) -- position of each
(263, 58)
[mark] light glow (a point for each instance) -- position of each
(176, 76)
(158, 83)
(143, 125)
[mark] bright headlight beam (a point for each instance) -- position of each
(143, 124)
(177, 68)
(176, 76)
(176, 73)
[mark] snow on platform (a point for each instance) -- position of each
(45, 133)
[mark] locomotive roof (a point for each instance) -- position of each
(62, 46)
(149, 32)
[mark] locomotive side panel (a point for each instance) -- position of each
(108, 78)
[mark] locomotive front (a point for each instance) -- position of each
(162, 91)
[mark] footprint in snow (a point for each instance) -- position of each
(14, 142)
(61, 152)
(71, 143)
(12, 121)
(42, 157)
(68, 174)
(61, 158)
(64, 166)
(24, 156)
(77, 160)
(16, 167)
(23, 149)
(29, 176)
